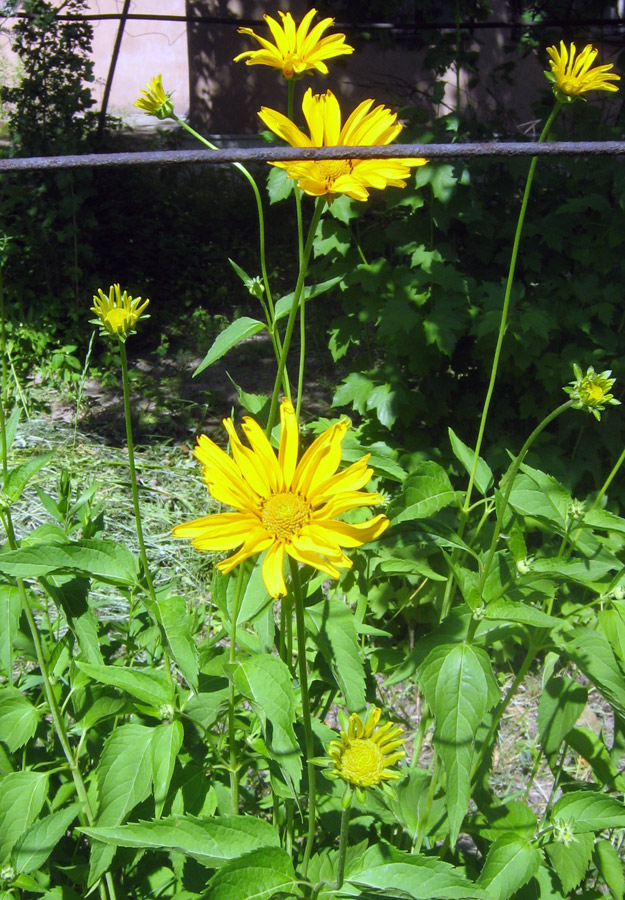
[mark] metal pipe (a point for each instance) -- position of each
(281, 154)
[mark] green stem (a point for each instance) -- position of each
(506, 305)
(340, 867)
(308, 734)
(234, 766)
(143, 556)
(4, 394)
(297, 295)
(300, 255)
(606, 484)
(270, 313)
(529, 658)
(510, 477)
(55, 713)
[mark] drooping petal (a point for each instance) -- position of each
(350, 535)
(289, 442)
(222, 531)
(273, 570)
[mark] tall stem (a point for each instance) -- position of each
(340, 867)
(510, 478)
(234, 766)
(270, 314)
(308, 735)
(4, 394)
(297, 296)
(143, 556)
(506, 305)
(300, 254)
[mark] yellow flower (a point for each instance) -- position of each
(296, 50)
(591, 392)
(155, 101)
(364, 754)
(365, 127)
(572, 75)
(283, 506)
(118, 313)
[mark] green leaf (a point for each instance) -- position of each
(104, 561)
(591, 652)
(466, 455)
(513, 817)
(588, 810)
(236, 332)
(209, 841)
(150, 686)
(510, 863)
(11, 430)
(166, 743)
(385, 869)
(279, 185)
(610, 866)
(570, 861)
(18, 718)
(560, 705)
(284, 304)
(266, 682)
(255, 595)
(590, 746)
(170, 612)
(540, 497)
(35, 846)
(258, 875)
(10, 609)
(512, 611)
(333, 629)
(124, 778)
(424, 493)
(22, 795)
(582, 571)
(253, 285)
(459, 688)
(20, 476)
(71, 594)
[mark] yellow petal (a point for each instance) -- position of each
(289, 441)
(273, 570)
(262, 448)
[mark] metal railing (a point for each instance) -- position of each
(284, 154)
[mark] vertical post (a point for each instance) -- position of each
(111, 72)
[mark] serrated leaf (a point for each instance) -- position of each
(148, 685)
(512, 611)
(547, 500)
(18, 718)
(266, 682)
(209, 841)
(10, 609)
(255, 595)
(166, 743)
(237, 331)
(570, 861)
(383, 868)
(592, 654)
(124, 778)
(610, 866)
(582, 571)
(459, 688)
(513, 817)
(560, 705)
(71, 594)
(258, 875)
(590, 747)
(424, 493)
(279, 185)
(465, 455)
(19, 477)
(22, 795)
(104, 561)
(170, 611)
(10, 430)
(35, 846)
(333, 629)
(510, 863)
(589, 811)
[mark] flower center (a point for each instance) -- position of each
(284, 515)
(570, 85)
(117, 320)
(331, 169)
(362, 762)
(592, 393)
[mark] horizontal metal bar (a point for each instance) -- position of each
(285, 154)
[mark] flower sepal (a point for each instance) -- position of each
(591, 392)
